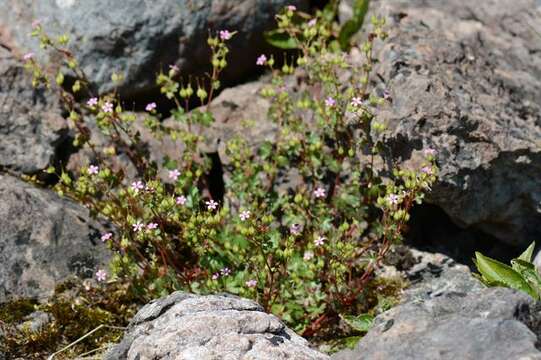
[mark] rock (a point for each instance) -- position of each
(465, 79)
(43, 240)
(186, 326)
(487, 324)
(141, 37)
(32, 129)
(448, 314)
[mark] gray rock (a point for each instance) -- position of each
(465, 80)
(185, 326)
(31, 126)
(486, 324)
(43, 239)
(140, 37)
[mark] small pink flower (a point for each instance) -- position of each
(427, 170)
(137, 186)
(356, 102)
(312, 22)
(36, 24)
(107, 107)
(393, 199)
(175, 69)
(251, 283)
(181, 200)
(93, 169)
(319, 241)
(225, 271)
(28, 56)
(152, 226)
(291, 8)
(215, 276)
(319, 193)
(330, 102)
(308, 255)
(174, 174)
(150, 107)
(101, 275)
(92, 102)
(430, 152)
(138, 226)
(211, 205)
(225, 35)
(295, 229)
(245, 215)
(261, 60)
(106, 236)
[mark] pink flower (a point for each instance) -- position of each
(319, 193)
(295, 229)
(225, 35)
(152, 226)
(138, 226)
(92, 102)
(36, 24)
(430, 152)
(101, 275)
(137, 186)
(427, 170)
(215, 276)
(261, 60)
(308, 255)
(356, 102)
(28, 56)
(211, 205)
(174, 174)
(330, 102)
(181, 200)
(291, 8)
(225, 271)
(312, 22)
(245, 215)
(93, 169)
(319, 241)
(106, 236)
(393, 199)
(107, 107)
(251, 283)
(150, 107)
(174, 69)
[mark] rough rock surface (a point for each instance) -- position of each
(43, 239)
(182, 326)
(465, 78)
(140, 37)
(31, 126)
(448, 314)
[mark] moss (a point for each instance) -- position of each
(76, 308)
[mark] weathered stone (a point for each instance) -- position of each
(486, 324)
(140, 37)
(186, 326)
(465, 80)
(43, 239)
(31, 126)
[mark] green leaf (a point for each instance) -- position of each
(280, 39)
(527, 254)
(495, 272)
(352, 26)
(361, 322)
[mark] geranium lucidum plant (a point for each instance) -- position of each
(305, 250)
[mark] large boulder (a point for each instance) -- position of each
(32, 130)
(465, 79)
(186, 326)
(448, 314)
(141, 37)
(43, 240)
